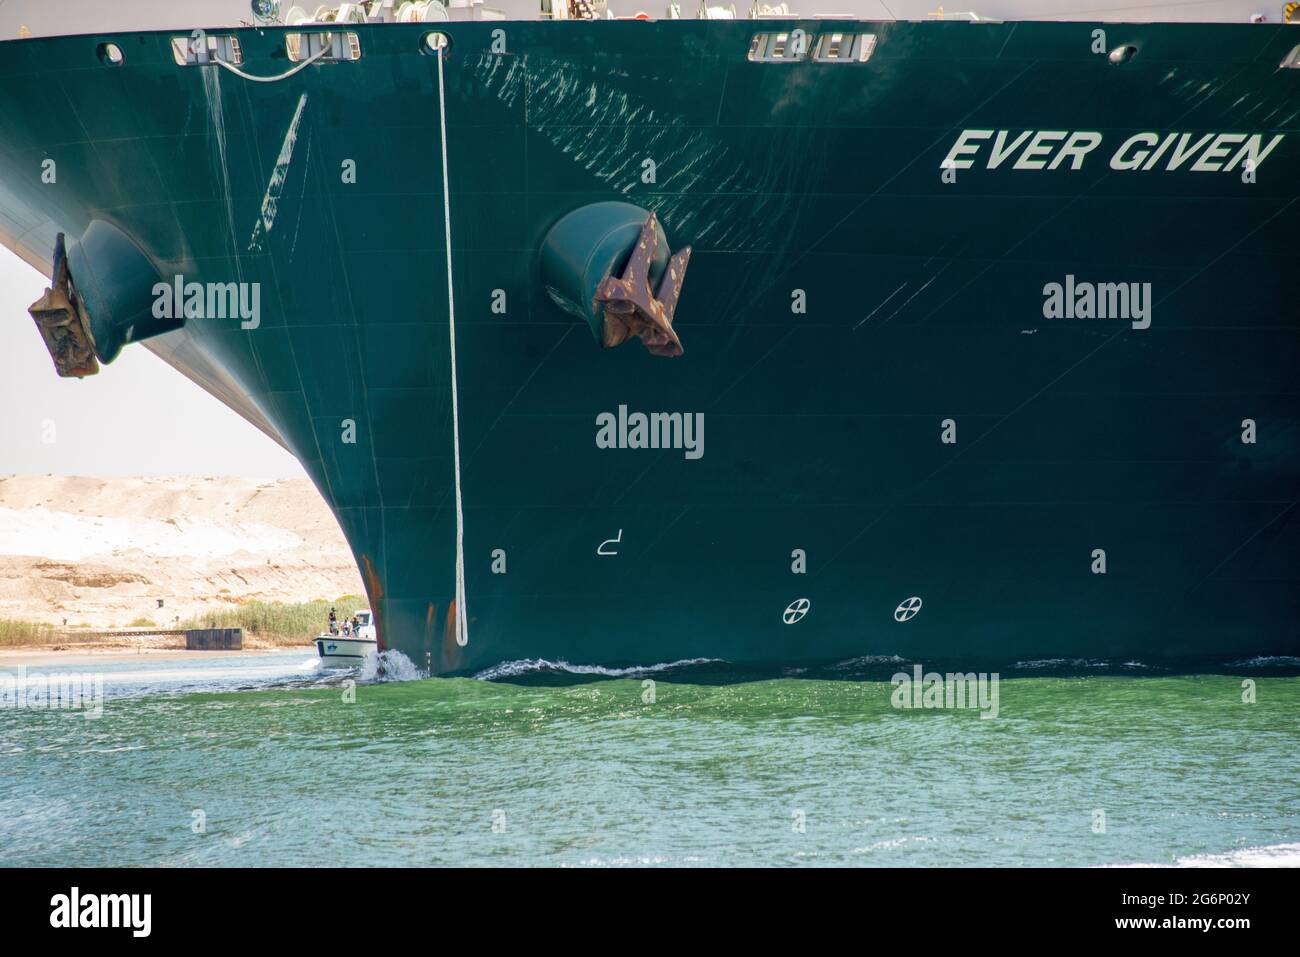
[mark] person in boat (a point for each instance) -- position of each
(356, 625)
(334, 623)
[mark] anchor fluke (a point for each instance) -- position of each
(101, 297)
(609, 264)
(632, 309)
(63, 324)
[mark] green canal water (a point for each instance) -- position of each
(277, 768)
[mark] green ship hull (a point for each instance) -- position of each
(906, 442)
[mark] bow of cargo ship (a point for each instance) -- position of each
(490, 281)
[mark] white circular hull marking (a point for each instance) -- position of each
(908, 609)
(796, 610)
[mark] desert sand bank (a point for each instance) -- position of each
(99, 553)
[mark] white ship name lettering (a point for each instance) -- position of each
(1141, 152)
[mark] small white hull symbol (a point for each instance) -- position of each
(796, 610)
(907, 610)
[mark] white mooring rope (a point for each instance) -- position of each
(462, 613)
(271, 79)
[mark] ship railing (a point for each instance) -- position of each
(438, 11)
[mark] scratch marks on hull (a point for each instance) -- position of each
(591, 120)
(271, 199)
(217, 117)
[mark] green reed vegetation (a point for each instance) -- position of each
(280, 623)
(293, 623)
(17, 632)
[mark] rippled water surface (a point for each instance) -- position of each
(262, 761)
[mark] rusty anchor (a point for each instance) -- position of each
(632, 309)
(62, 324)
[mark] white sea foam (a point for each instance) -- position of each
(1268, 855)
(892, 844)
(1060, 663)
(1267, 661)
(868, 660)
(624, 860)
(390, 665)
(525, 666)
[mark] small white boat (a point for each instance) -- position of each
(349, 651)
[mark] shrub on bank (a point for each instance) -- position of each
(296, 623)
(14, 632)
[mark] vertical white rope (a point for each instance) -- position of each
(462, 613)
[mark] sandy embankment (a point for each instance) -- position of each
(91, 554)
